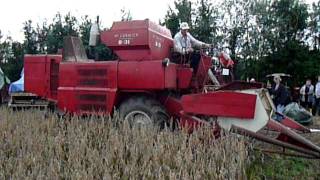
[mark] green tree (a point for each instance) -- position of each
(60, 28)
(182, 12)
(283, 25)
(84, 30)
(205, 28)
(11, 58)
(30, 36)
(314, 26)
(125, 15)
(99, 52)
(42, 31)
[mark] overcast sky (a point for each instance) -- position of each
(14, 12)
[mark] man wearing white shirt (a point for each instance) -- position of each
(184, 43)
(306, 93)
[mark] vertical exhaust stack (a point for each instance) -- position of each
(94, 33)
(94, 39)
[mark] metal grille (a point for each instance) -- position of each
(92, 107)
(93, 78)
(92, 72)
(93, 82)
(92, 102)
(54, 77)
(92, 97)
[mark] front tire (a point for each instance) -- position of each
(143, 111)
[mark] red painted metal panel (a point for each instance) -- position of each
(86, 100)
(184, 76)
(202, 73)
(294, 125)
(35, 74)
(226, 104)
(146, 75)
(172, 105)
(160, 45)
(88, 87)
(41, 75)
(138, 40)
(170, 76)
(290, 123)
(97, 74)
(67, 99)
(67, 74)
(289, 136)
(141, 24)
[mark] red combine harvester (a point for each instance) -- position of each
(149, 89)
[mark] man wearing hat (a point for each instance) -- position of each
(279, 95)
(184, 43)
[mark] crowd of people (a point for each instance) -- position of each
(309, 95)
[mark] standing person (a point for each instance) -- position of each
(306, 93)
(317, 96)
(279, 95)
(184, 43)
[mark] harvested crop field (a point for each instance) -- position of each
(34, 146)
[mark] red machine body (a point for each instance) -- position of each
(42, 75)
(143, 81)
(81, 87)
(146, 75)
(86, 87)
(138, 40)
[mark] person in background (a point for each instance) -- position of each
(306, 95)
(279, 95)
(317, 97)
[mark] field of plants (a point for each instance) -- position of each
(35, 146)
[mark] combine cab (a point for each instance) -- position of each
(148, 88)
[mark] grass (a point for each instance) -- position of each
(33, 146)
(264, 166)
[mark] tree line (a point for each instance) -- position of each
(46, 38)
(262, 36)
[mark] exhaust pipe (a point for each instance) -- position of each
(94, 33)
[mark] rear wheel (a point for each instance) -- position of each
(143, 111)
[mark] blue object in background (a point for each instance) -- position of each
(17, 86)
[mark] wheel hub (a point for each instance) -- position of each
(138, 118)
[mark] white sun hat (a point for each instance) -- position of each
(184, 26)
